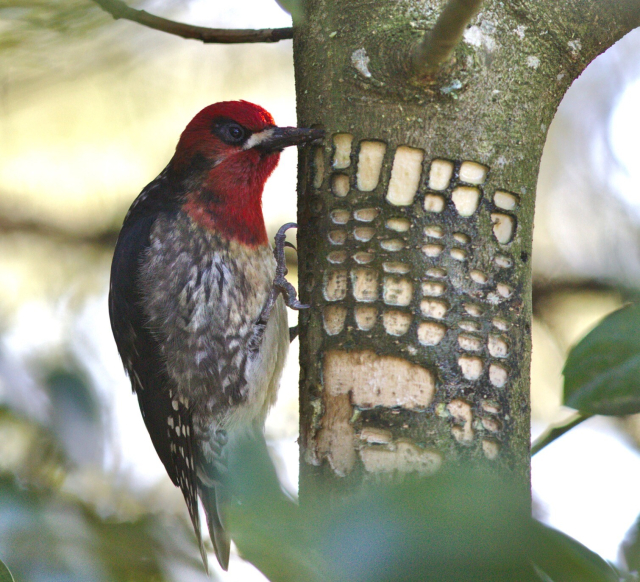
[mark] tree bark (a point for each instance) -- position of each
(416, 221)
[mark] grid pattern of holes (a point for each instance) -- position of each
(373, 178)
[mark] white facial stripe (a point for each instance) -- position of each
(257, 138)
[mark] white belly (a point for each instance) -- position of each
(263, 373)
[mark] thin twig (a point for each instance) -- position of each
(438, 44)
(557, 431)
(119, 9)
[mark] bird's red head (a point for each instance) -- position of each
(223, 160)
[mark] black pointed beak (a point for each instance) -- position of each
(275, 139)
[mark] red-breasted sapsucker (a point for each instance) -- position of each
(200, 327)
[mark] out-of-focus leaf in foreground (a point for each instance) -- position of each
(293, 7)
(22, 17)
(43, 43)
(602, 373)
(49, 535)
(464, 524)
(563, 559)
(5, 575)
(67, 523)
(631, 547)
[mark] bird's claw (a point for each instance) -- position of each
(280, 282)
(280, 285)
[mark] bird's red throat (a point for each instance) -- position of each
(229, 201)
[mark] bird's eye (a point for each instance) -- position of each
(236, 133)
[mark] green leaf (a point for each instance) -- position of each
(5, 575)
(293, 7)
(602, 373)
(631, 546)
(458, 525)
(560, 558)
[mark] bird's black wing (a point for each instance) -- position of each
(167, 419)
(137, 346)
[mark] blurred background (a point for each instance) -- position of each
(90, 112)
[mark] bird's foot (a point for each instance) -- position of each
(280, 282)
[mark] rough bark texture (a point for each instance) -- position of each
(415, 354)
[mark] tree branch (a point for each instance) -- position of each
(119, 9)
(557, 431)
(438, 43)
(106, 237)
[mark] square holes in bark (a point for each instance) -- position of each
(420, 263)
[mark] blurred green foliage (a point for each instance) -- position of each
(5, 575)
(293, 7)
(631, 548)
(22, 19)
(43, 42)
(52, 535)
(602, 373)
(464, 524)
(50, 531)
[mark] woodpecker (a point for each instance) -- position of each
(200, 327)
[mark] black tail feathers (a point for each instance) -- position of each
(219, 536)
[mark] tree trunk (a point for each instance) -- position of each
(416, 221)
